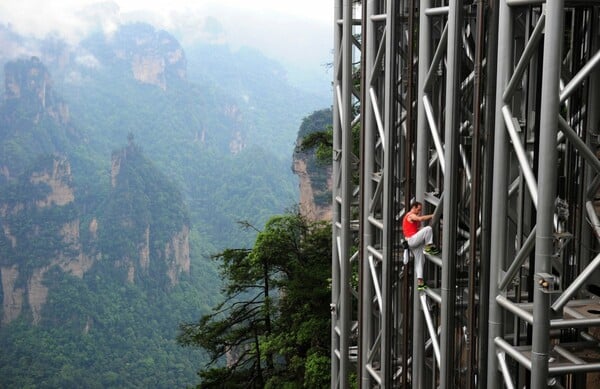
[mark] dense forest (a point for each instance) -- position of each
(118, 185)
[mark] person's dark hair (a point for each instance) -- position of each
(415, 204)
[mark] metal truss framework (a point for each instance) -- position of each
(488, 112)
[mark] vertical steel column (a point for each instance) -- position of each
(421, 160)
(544, 248)
(368, 325)
(487, 181)
(451, 178)
(475, 210)
(499, 189)
(585, 245)
(390, 290)
(445, 87)
(408, 179)
(342, 194)
(377, 192)
(336, 165)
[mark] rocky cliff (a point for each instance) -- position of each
(312, 204)
(33, 118)
(314, 175)
(140, 197)
(28, 82)
(41, 231)
(43, 222)
(153, 56)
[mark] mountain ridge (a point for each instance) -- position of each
(118, 236)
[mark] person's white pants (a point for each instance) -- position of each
(416, 243)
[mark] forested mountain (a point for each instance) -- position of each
(122, 169)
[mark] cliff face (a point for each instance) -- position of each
(310, 207)
(39, 227)
(58, 178)
(177, 254)
(153, 56)
(28, 83)
(33, 119)
(42, 218)
(315, 177)
(47, 191)
(54, 239)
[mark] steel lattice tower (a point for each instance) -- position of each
(487, 112)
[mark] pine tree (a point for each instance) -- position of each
(272, 330)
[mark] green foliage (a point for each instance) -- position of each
(39, 226)
(316, 136)
(232, 330)
(273, 326)
(316, 370)
(100, 330)
(29, 120)
(97, 332)
(316, 133)
(142, 200)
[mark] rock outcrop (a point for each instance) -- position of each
(58, 178)
(54, 181)
(177, 254)
(131, 174)
(154, 56)
(12, 303)
(309, 207)
(315, 177)
(29, 83)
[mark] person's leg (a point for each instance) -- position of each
(427, 235)
(422, 238)
(419, 262)
(417, 243)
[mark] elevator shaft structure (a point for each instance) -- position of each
(488, 113)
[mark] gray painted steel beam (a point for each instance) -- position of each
(547, 173)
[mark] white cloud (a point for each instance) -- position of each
(87, 60)
(298, 33)
(104, 16)
(40, 17)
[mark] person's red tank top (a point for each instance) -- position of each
(409, 228)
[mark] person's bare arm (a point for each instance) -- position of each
(419, 218)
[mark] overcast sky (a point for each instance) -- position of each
(296, 33)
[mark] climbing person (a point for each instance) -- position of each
(419, 239)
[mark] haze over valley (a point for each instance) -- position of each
(129, 155)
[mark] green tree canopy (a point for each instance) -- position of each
(272, 330)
